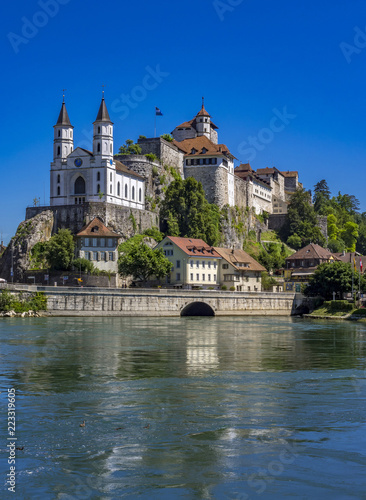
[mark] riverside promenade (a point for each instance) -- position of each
(64, 301)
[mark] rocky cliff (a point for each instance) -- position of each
(17, 253)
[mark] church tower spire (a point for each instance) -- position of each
(203, 121)
(63, 142)
(103, 133)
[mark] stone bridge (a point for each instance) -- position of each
(162, 302)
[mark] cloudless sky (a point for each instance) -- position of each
(250, 60)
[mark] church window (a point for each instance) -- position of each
(76, 201)
(59, 133)
(140, 194)
(133, 192)
(110, 189)
(98, 148)
(110, 148)
(98, 130)
(71, 134)
(98, 188)
(79, 185)
(110, 176)
(58, 191)
(98, 176)
(58, 150)
(58, 178)
(118, 189)
(126, 191)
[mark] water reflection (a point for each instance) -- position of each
(186, 407)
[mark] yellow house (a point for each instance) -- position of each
(195, 263)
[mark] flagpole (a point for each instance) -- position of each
(155, 125)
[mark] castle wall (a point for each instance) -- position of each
(168, 153)
(214, 181)
(213, 136)
(186, 133)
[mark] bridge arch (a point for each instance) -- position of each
(197, 309)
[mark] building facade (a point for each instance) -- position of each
(78, 175)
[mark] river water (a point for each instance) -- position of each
(185, 408)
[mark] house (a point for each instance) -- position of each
(195, 263)
(98, 244)
(258, 191)
(302, 264)
(353, 258)
(238, 269)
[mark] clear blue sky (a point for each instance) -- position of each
(248, 58)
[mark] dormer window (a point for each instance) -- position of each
(204, 150)
(95, 229)
(193, 151)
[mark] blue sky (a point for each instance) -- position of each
(252, 60)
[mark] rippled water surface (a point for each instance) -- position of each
(186, 408)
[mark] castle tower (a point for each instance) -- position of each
(103, 134)
(203, 122)
(63, 142)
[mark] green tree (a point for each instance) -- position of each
(187, 213)
(130, 148)
(302, 220)
(349, 235)
(83, 265)
(321, 197)
(294, 241)
(142, 262)
(60, 250)
(332, 277)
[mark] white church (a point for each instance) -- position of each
(79, 176)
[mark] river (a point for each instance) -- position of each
(185, 408)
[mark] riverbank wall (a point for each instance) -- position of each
(163, 302)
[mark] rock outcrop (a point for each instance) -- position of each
(17, 253)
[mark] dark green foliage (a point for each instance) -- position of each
(224, 287)
(167, 137)
(38, 256)
(267, 281)
(321, 197)
(60, 250)
(153, 232)
(12, 302)
(151, 157)
(338, 305)
(274, 257)
(302, 220)
(294, 241)
(333, 277)
(83, 265)
(187, 213)
(142, 262)
(130, 148)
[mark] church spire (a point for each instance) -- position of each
(103, 115)
(63, 117)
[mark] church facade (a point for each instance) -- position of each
(79, 176)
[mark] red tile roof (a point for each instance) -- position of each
(203, 112)
(194, 247)
(96, 228)
(293, 173)
(312, 251)
(236, 257)
(268, 171)
(198, 143)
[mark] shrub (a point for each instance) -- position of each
(232, 288)
(338, 305)
(224, 287)
(83, 265)
(155, 171)
(151, 157)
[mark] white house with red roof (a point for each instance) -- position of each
(98, 244)
(78, 175)
(195, 263)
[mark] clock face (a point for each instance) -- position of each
(78, 162)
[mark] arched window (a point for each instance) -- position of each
(110, 176)
(79, 186)
(98, 188)
(58, 191)
(126, 191)
(133, 192)
(58, 150)
(98, 147)
(140, 194)
(110, 148)
(58, 178)
(98, 130)
(71, 134)
(59, 133)
(98, 176)
(110, 189)
(118, 189)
